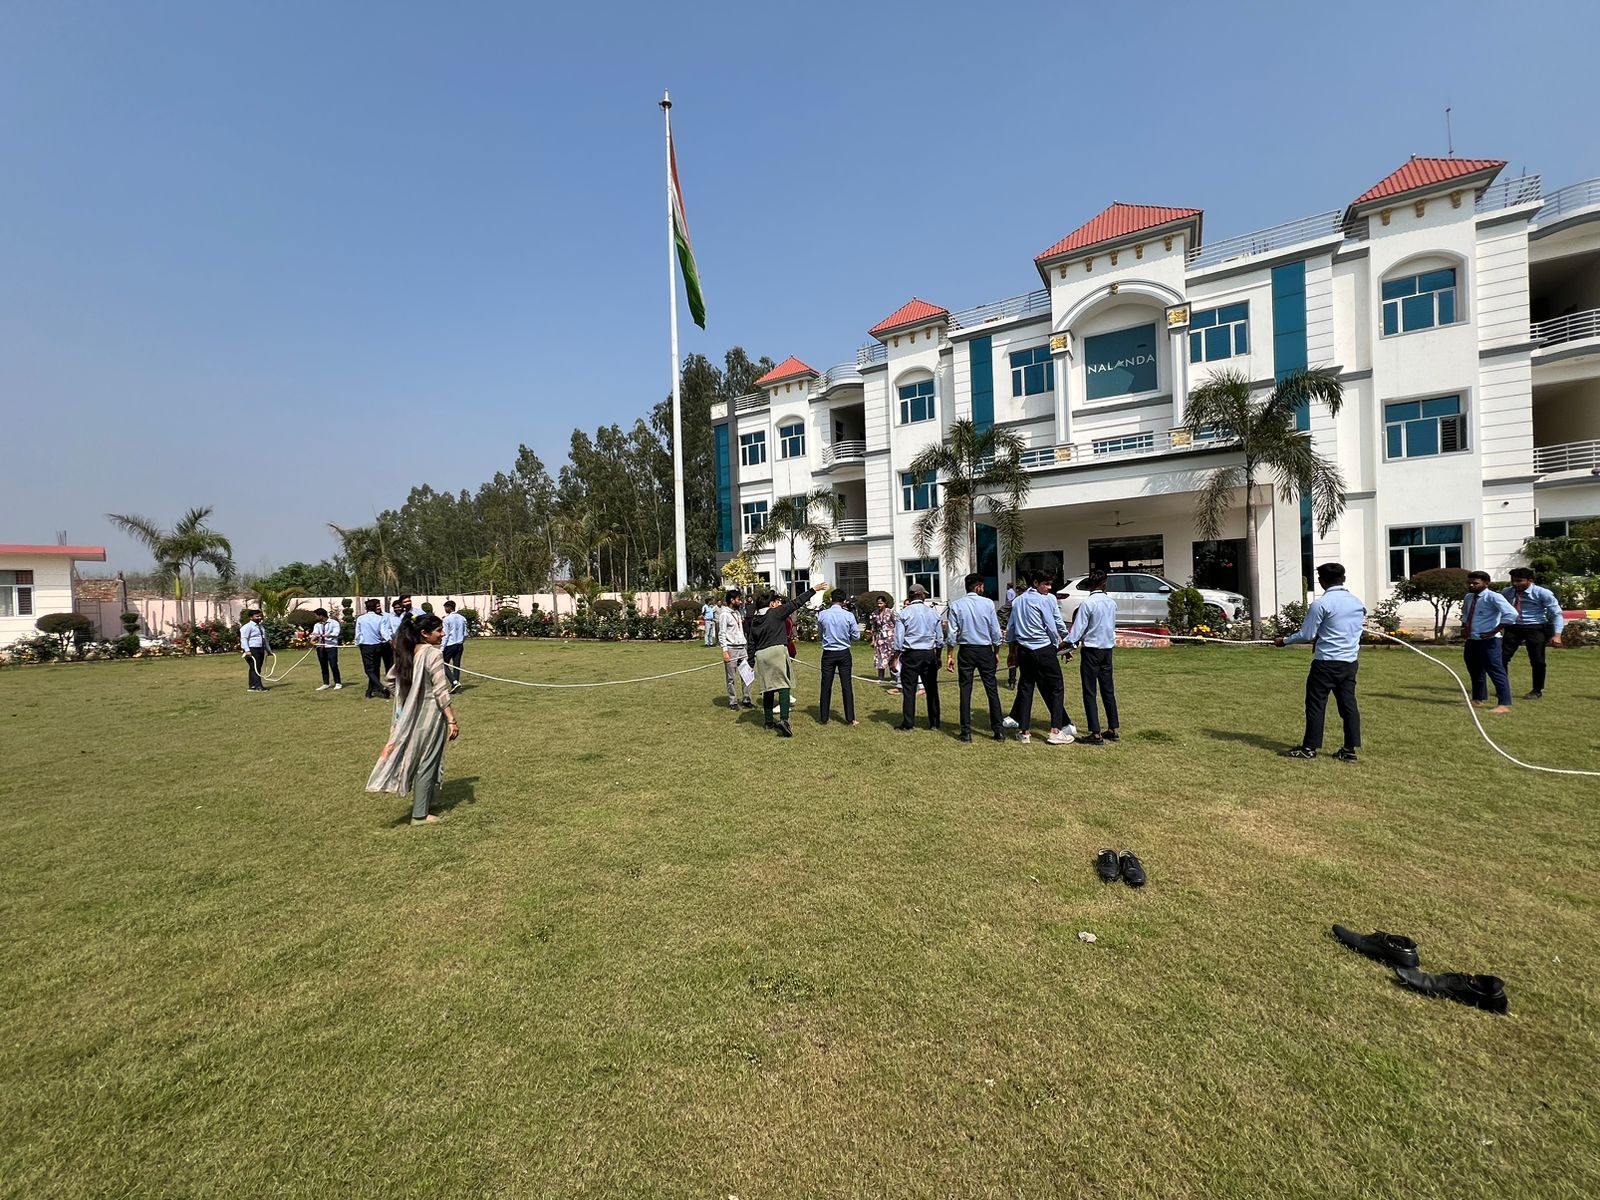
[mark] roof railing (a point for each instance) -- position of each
(1507, 193)
(1265, 241)
(872, 352)
(1030, 304)
(1569, 199)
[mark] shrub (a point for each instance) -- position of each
(1580, 633)
(1441, 588)
(1186, 608)
(1569, 593)
(543, 624)
(210, 637)
(427, 606)
(867, 603)
(607, 607)
(130, 622)
(1289, 619)
(474, 622)
(1387, 613)
(805, 625)
(65, 627)
(126, 646)
(301, 618)
(679, 623)
(508, 622)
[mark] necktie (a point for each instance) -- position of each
(1517, 604)
(1472, 603)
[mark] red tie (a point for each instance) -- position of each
(1472, 603)
(1518, 606)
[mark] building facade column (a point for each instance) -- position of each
(1061, 357)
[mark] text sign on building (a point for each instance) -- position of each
(1120, 363)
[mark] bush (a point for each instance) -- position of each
(301, 618)
(1289, 619)
(211, 637)
(1441, 588)
(867, 603)
(607, 607)
(678, 623)
(130, 622)
(1569, 593)
(126, 646)
(1387, 613)
(1186, 608)
(65, 627)
(474, 622)
(508, 622)
(427, 606)
(805, 625)
(1580, 633)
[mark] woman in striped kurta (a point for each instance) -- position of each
(424, 721)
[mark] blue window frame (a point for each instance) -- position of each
(1120, 363)
(1217, 333)
(1419, 301)
(753, 448)
(918, 492)
(1423, 428)
(1128, 443)
(1424, 548)
(1032, 372)
(791, 440)
(916, 402)
(755, 516)
(724, 493)
(921, 570)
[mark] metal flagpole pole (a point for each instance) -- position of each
(679, 530)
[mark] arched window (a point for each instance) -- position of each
(1425, 293)
(917, 401)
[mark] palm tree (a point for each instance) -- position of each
(275, 603)
(1264, 432)
(795, 517)
(980, 473)
(181, 548)
(368, 556)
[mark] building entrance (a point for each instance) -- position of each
(1219, 564)
(1128, 554)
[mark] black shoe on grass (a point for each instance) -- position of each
(1392, 948)
(1346, 755)
(1132, 869)
(1487, 992)
(1107, 867)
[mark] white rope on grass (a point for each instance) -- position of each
(270, 674)
(600, 683)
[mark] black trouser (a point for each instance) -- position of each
(1094, 671)
(837, 662)
(386, 653)
(980, 659)
(1340, 679)
(328, 660)
(1535, 638)
(452, 662)
(255, 659)
(1039, 669)
(919, 666)
(372, 663)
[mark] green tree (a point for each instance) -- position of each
(1264, 433)
(1441, 587)
(978, 474)
(371, 566)
(796, 517)
(274, 602)
(179, 550)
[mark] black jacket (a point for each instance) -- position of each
(766, 628)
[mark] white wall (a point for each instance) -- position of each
(52, 591)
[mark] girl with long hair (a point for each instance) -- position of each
(424, 722)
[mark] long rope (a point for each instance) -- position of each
(601, 683)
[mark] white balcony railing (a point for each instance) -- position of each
(1265, 241)
(1572, 456)
(1569, 328)
(1508, 193)
(1029, 305)
(1569, 200)
(850, 529)
(872, 352)
(849, 450)
(1161, 441)
(838, 376)
(751, 402)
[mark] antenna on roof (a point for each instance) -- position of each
(61, 537)
(1449, 136)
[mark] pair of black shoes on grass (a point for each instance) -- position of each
(1111, 866)
(1481, 991)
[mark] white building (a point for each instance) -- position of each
(35, 580)
(1461, 310)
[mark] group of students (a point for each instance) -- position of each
(907, 642)
(375, 637)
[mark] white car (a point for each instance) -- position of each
(1142, 598)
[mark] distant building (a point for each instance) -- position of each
(1461, 310)
(35, 580)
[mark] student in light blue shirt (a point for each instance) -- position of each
(1037, 631)
(1333, 625)
(453, 645)
(1484, 614)
(253, 644)
(708, 618)
(917, 636)
(839, 630)
(974, 638)
(325, 637)
(1539, 623)
(1094, 633)
(370, 641)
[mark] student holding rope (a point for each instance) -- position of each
(253, 644)
(424, 721)
(1333, 624)
(1539, 623)
(325, 637)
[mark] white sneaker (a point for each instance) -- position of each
(325, 687)
(1071, 731)
(1024, 736)
(1009, 724)
(1060, 739)
(338, 687)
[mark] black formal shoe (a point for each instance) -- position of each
(1111, 735)
(1345, 754)
(1481, 991)
(1534, 696)
(769, 723)
(1300, 752)
(784, 729)
(1094, 739)
(1132, 869)
(903, 728)
(998, 736)
(748, 704)
(1392, 948)
(964, 737)
(1107, 867)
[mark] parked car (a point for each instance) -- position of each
(1142, 598)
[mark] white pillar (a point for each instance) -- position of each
(1179, 343)
(1061, 357)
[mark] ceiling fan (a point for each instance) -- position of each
(1118, 523)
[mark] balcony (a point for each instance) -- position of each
(848, 451)
(1031, 305)
(850, 529)
(1569, 199)
(872, 352)
(1267, 241)
(1572, 456)
(1572, 327)
(1114, 449)
(839, 376)
(1508, 193)
(750, 403)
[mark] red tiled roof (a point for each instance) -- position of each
(789, 368)
(1118, 221)
(912, 312)
(1425, 172)
(81, 553)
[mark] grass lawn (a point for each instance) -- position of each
(654, 951)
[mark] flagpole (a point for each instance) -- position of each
(679, 530)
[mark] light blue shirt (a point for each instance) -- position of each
(369, 629)
(252, 636)
(1036, 621)
(973, 622)
(326, 634)
(455, 629)
(838, 627)
(917, 628)
(1334, 623)
(1539, 607)
(708, 612)
(1484, 618)
(389, 623)
(1095, 623)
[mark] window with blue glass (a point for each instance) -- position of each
(1424, 548)
(921, 570)
(918, 492)
(1419, 301)
(1217, 333)
(753, 448)
(1120, 363)
(724, 493)
(755, 516)
(1423, 428)
(791, 440)
(1032, 372)
(916, 402)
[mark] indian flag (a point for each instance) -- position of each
(680, 233)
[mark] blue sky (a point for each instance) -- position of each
(291, 259)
